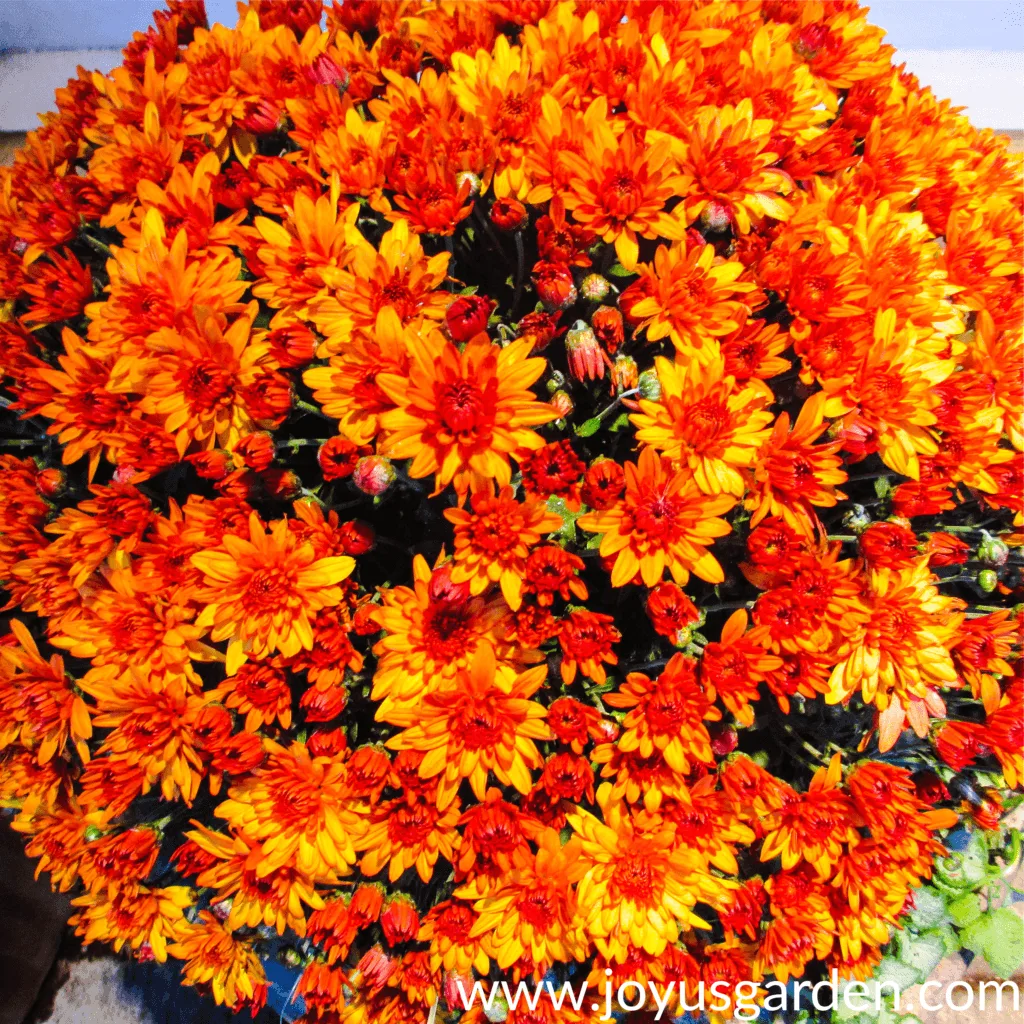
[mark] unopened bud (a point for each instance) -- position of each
(586, 360)
(857, 519)
(650, 386)
(992, 550)
(562, 403)
(988, 580)
(594, 287)
(373, 474)
(624, 373)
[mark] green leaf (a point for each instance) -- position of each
(922, 952)
(929, 909)
(965, 910)
(621, 421)
(964, 870)
(589, 427)
(897, 972)
(618, 270)
(568, 530)
(1002, 941)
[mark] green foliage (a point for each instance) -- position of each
(965, 907)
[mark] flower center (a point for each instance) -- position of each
(461, 407)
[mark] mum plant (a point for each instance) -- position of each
(507, 490)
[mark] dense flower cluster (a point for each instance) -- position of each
(505, 488)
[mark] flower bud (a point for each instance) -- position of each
(497, 1011)
(399, 920)
(562, 403)
(456, 989)
(376, 967)
(554, 284)
(338, 456)
(594, 287)
(608, 326)
(211, 465)
(222, 908)
(715, 218)
(326, 70)
(323, 705)
(555, 381)
(367, 902)
(50, 482)
(630, 297)
(373, 475)
(442, 588)
(857, 519)
(724, 739)
(281, 483)
(992, 551)
(264, 119)
(509, 214)
(540, 328)
(649, 385)
(92, 833)
(256, 450)
(363, 622)
(945, 549)
(586, 358)
(327, 742)
(624, 373)
(930, 788)
(988, 580)
(467, 316)
(292, 346)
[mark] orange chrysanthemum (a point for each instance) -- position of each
(460, 414)
(661, 521)
(493, 541)
(488, 724)
(260, 592)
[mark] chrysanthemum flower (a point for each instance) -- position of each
(732, 668)
(639, 886)
(728, 160)
(432, 636)
(486, 725)
(532, 914)
(661, 521)
(447, 928)
(404, 833)
(666, 715)
(248, 584)
(620, 186)
(900, 658)
(587, 640)
(705, 422)
(301, 809)
(393, 275)
(39, 709)
(691, 297)
(492, 541)
(793, 475)
(460, 414)
(891, 389)
(214, 956)
(133, 917)
(814, 825)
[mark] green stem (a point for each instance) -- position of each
(308, 407)
(95, 243)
